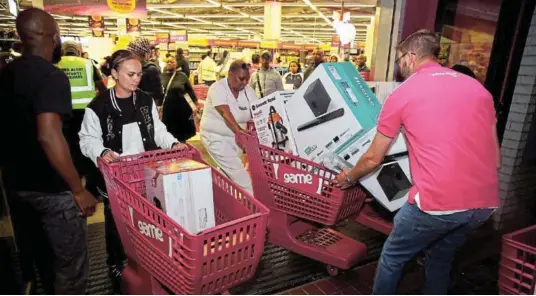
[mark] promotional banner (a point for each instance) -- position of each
(249, 44)
(162, 38)
(178, 36)
(97, 26)
(107, 8)
(133, 25)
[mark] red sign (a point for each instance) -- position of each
(162, 38)
(335, 42)
(223, 43)
(251, 44)
(310, 46)
(158, 238)
(111, 8)
(289, 176)
(286, 45)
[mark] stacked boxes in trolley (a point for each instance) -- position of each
(182, 188)
(271, 121)
(335, 112)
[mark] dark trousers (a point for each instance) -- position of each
(438, 235)
(114, 248)
(52, 235)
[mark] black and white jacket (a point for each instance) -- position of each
(105, 128)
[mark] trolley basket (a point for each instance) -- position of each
(517, 269)
(206, 263)
(298, 186)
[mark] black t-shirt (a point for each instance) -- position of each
(128, 110)
(30, 86)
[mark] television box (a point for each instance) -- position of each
(382, 89)
(170, 186)
(334, 110)
(390, 183)
(271, 121)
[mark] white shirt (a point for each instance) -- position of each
(207, 69)
(220, 94)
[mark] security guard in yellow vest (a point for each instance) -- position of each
(86, 81)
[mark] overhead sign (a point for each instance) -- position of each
(162, 38)
(250, 44)
(133, 25)
(178, 36)
(97, 26)
(109, 8)
(269, 44)
(288, 45)
(223, 43)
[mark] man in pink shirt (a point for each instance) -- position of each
(448, 120)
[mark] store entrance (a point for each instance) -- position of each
(488, 37)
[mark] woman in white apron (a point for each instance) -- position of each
(226, 113)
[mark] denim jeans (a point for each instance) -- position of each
(52, 235)
(438, 235)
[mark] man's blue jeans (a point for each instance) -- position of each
(438, 235)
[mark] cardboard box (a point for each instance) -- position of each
(170, 186)
(390, 183)
(382, 89)
(334, 110)
(271, 121)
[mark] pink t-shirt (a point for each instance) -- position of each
(448, 120)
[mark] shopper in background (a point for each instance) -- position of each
(150, 81)
(464, 70)
(121, 121)
(86, 82)
(106, 72)
(48, 202)
(224, 64)
(362, 64)
(255, 62)
(294, 77)
(333, 59)
(207, 70)
(182, 63)
(85, 55)
(318, 58)
(226, 113)
(266, 80)
(453, 166)
(180, 103)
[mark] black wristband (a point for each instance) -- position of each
(104, 152)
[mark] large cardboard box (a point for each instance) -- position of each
(271, 121)
(182, 188)
(335, 111)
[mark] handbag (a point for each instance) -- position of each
(259, 83)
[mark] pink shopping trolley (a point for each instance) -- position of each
(163, 258)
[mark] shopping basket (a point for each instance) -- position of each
(162, 253)
(517, 269)
(299, 192)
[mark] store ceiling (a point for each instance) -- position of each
(302, 20)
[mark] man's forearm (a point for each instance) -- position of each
(364, 166)
(57, 152)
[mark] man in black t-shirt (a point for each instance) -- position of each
(47, 199)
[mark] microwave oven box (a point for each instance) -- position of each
(271, 122)
(182, 188)
(335, 111)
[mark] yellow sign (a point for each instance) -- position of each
(325, 47)
(269, 44)
(122, 6)
(197, 42)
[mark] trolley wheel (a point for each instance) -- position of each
(332, 270)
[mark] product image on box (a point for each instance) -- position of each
(271, 122)
(390, 183)
(319, 100)
(182, 188)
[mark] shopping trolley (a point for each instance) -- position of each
(163, 258)
(301, 196)
(201, 91)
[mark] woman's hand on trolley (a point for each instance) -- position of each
(180, 146)
(110, 156)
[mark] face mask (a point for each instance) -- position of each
(56, 54)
